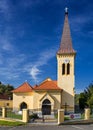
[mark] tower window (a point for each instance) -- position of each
(63, 69)
(68, 68)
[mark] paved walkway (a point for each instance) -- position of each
(43, 122)
(37, 127)
(54, 122)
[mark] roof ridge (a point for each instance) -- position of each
(28, 84)
(23, 86)
(47, 79)
(48, 85)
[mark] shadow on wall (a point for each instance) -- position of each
(68, 102)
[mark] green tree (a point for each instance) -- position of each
(6, 89)
(77, 99)
(82, 101)
(2, 88)
(89, 94)
(86, 98)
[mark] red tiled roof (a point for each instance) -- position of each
(47, 85)
(3, 96)
(25, 87)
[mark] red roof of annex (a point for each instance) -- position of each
(47, 84)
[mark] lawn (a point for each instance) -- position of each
(11, 123)
(13, 115)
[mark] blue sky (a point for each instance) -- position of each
(30, 34)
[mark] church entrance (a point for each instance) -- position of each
(46, 107)
(23, 106)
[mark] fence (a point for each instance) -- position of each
(41, 112)
(0, 111)
(11, 114)
(24, 116)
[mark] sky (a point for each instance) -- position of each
(30, 35)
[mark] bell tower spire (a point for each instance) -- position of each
(66, 40)
(65, 66)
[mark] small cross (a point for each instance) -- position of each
(66, 10)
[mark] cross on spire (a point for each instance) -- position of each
(66, 10)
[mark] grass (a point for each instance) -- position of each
(91, 116)
(13, 115)
(11, 123)
(0, 113)
(66, 118)
(83, 116)
(56, 115)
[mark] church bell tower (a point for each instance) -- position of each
(65, 67)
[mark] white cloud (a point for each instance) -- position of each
(90, 34)
(1, 59)
(6, 39)
(5, 9)
(5, 45)
(78, 91)
(15, 61)
(11, 64)
(29, 3)
(43, 59)
(3, 6)
(79, 22)
(11, 60)
(34, 72)
(8, 73)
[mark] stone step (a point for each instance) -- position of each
(46, 120)
(48, 117)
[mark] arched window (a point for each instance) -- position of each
(23, 105)
(68, 68)
(63, 69)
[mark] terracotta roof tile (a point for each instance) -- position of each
(25, 87)
(47, 85)
(3, 96)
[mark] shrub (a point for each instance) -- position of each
(34, 116)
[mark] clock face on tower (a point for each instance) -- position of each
(66, 60)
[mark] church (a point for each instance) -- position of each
(51, 95)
